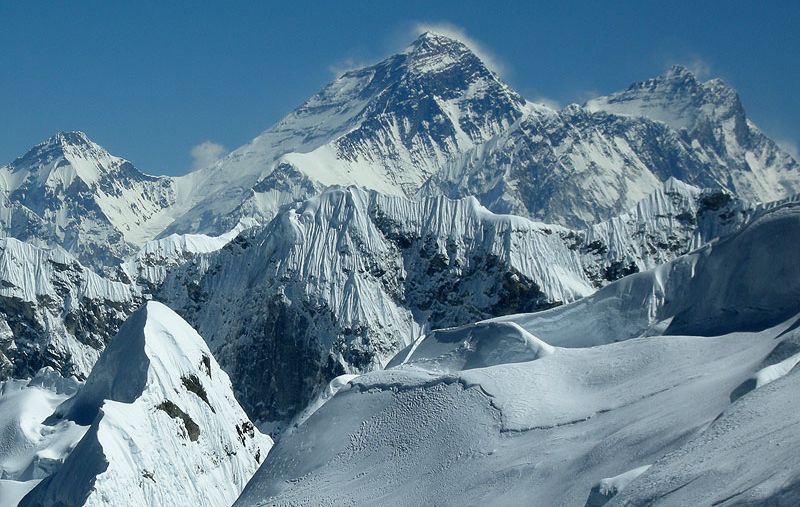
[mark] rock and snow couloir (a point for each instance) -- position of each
(164, 426)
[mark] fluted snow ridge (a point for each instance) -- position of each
(55, 312)
(347, 278)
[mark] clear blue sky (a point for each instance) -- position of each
(150, 80)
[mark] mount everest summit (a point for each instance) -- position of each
(426, 288)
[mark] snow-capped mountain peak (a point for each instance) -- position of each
(77, 195)
(59, 160)
(676, 98)
(387, 127)
(432, 51)
(165, 428)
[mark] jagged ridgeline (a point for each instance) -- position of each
(293, 276)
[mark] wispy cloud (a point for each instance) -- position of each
(206, 153)
(456, 32)
(546, 101)
(342, 66)
(583, 96)
(789, 147)
(697, 65)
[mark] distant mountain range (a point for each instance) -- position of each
(368, 231)
(432, 120)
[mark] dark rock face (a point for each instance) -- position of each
(50, 317)
(406, 92)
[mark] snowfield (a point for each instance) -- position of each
(661, 410)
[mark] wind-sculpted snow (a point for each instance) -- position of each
(747, 456)
(30, 448)
(491, 414)
(749, 280)
(473, 346)
(346, 279)
(164, 427)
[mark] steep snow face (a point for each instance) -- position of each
(492, 413)
(165, 428)
(79, 196)
(748, 456)
(710, 118)
(568, 167)
(345, 280)
(727, 285)
(149, 267)
(387, 127)
(54, 311)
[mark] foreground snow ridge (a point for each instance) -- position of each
(165, 428)
(676, 386)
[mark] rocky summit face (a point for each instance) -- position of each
(416, 254)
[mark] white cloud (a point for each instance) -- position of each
(342, 66)
(206, 153)
(697, 65)
(458, 33)
(789, 147)
(546, 101)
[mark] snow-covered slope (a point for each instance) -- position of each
(164, 427)
(341, 282)
(710, 118)
(747, 280)
(387, 127)
(31, 449)
(54, 311)
(492, 413)
(73, 193)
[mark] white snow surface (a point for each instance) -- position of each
(544, 429)
(31, 448)
(164, 429)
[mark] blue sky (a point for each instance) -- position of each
(152, 81)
